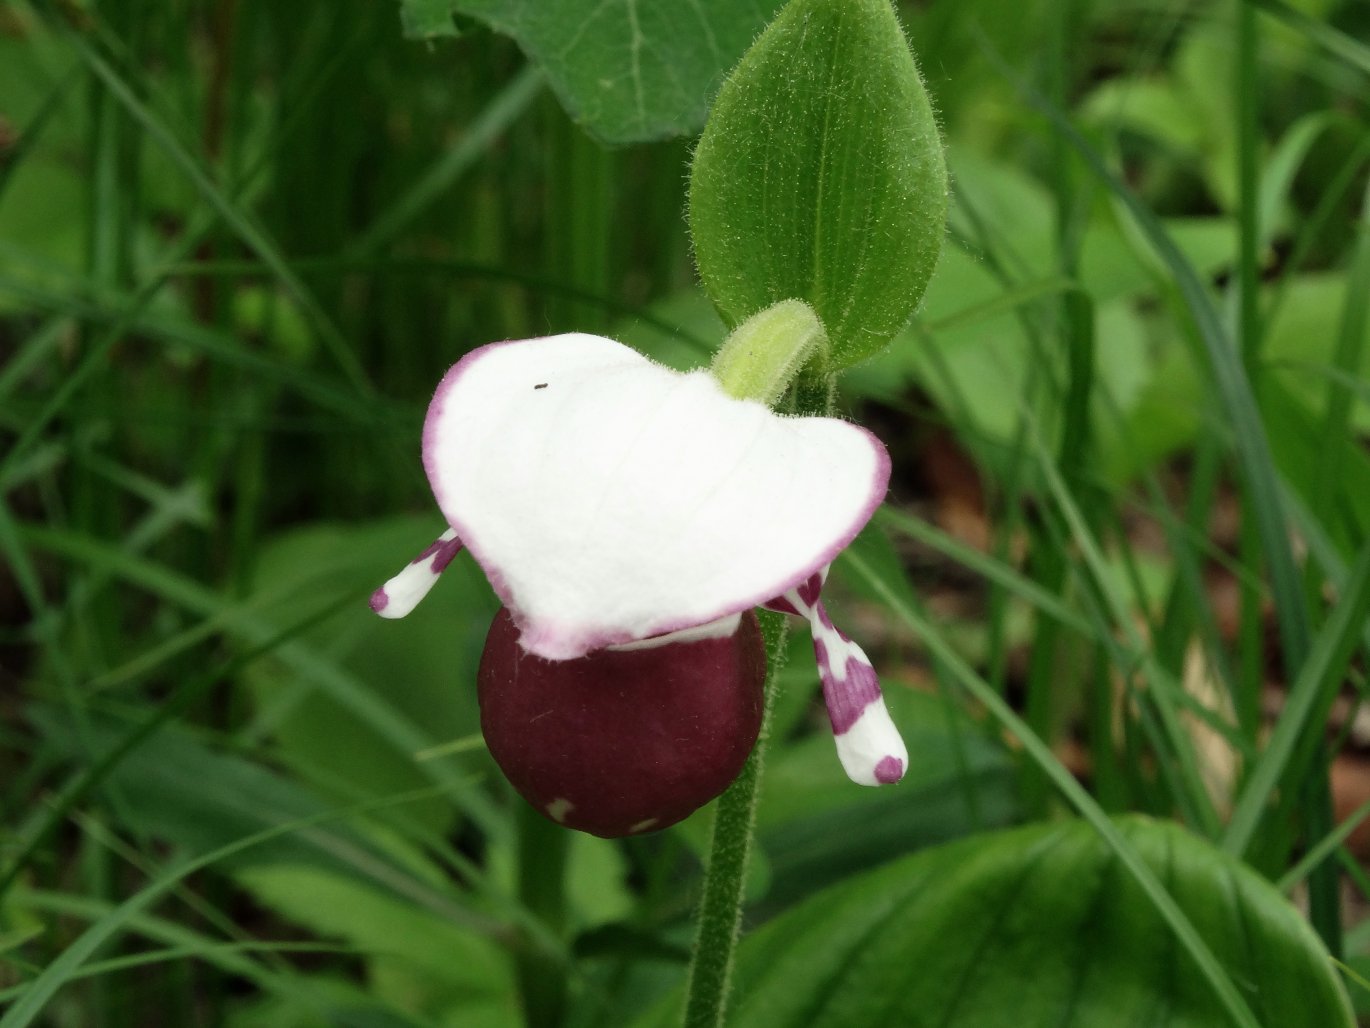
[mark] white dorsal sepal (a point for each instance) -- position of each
(609, 499)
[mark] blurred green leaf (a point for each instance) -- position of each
(424, 665)
(1035, 926)
(371, 704)
(1298, 450)
(296, 999)
(427, 19)
(174, 788)
(335, 1003)
(1302, 336)
(1347, 48)
(1155, 108)
(820, 176)
(33, 65)
(41, 225)
(70, 963)
(424, 964)
(269, 315)
(695, 330)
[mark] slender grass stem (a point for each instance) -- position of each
(1247, 89)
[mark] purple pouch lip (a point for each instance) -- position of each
(622, 742)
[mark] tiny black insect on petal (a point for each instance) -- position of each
(540, 385)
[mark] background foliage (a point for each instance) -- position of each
(1124, 567)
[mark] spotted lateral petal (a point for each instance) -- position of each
(868, 745)
(609, 499)
(402, 593)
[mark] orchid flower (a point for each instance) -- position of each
(629, 517)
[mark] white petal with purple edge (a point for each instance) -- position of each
(609, 499)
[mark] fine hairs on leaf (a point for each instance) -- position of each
(820, 177)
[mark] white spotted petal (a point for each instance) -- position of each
(869, 747)
(609, 499)
(403, 592)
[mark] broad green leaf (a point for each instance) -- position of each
(1006, 214)
(1168, 411)
(627, 71)
(595, 883)
(1203, 68)
(820, 176)
(1036, 926)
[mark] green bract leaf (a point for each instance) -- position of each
(624, 69)
(820, 176)
(1037, 926)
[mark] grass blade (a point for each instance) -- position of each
(1312, 691)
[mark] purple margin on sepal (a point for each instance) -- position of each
(552, 641)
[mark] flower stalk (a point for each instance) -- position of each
(542, 850)
(765, 354)
(730, 851)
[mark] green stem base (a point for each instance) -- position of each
(720, 908)
(542, 867)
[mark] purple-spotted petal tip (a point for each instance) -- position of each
(402, 593)
(868, 745)
(889, 770)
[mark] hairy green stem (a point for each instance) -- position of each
(730, 850)
(767, 359)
